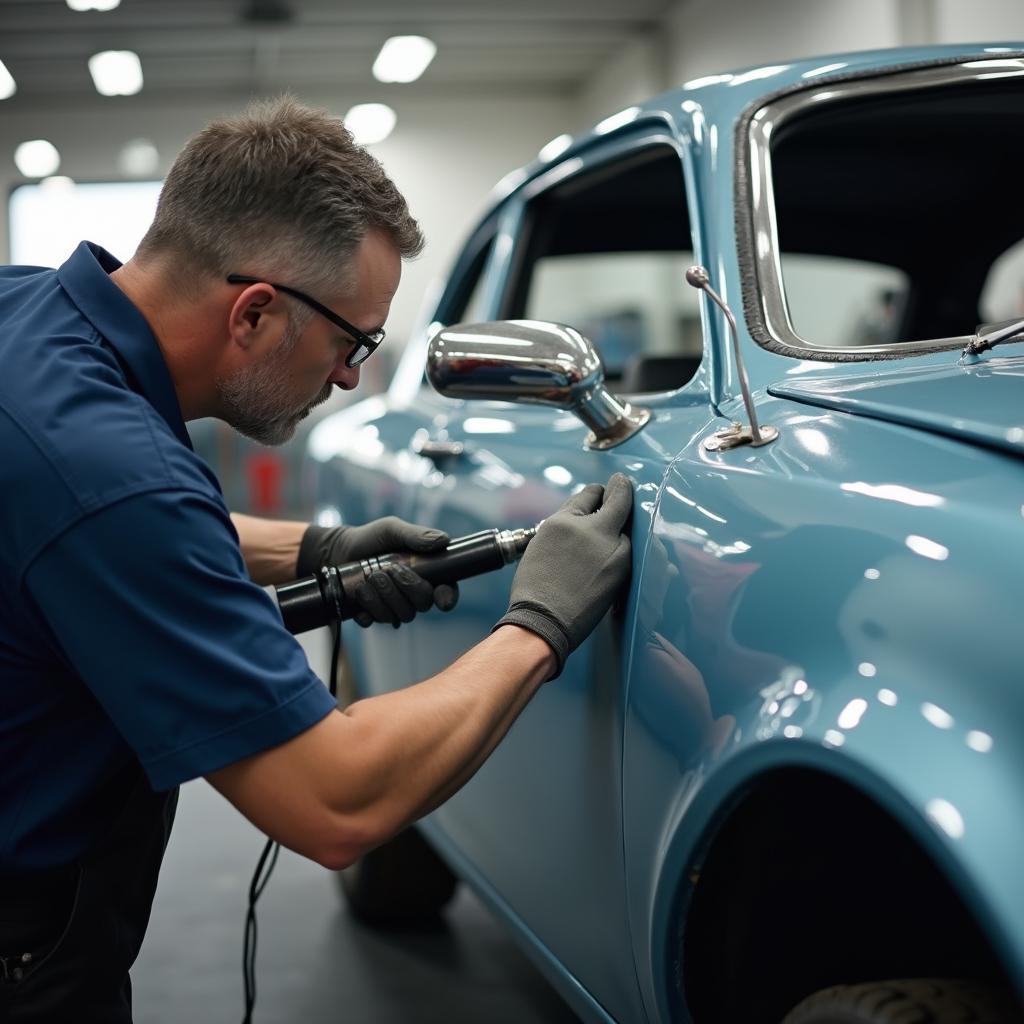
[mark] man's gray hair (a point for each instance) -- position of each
(281, 191)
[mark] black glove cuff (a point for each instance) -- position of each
(315, 549)
(539, 622)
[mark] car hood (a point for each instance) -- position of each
(978, 399)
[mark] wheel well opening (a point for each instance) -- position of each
(809, 884)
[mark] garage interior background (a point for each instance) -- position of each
(507, 79)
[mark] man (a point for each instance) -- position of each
(137, 650)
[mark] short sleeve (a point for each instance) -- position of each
(149, 602)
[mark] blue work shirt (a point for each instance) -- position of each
(131, 637)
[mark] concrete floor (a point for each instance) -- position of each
(315, 963)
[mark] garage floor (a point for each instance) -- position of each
(315, 963)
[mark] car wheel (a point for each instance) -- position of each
(908, 1001)
(401, 882)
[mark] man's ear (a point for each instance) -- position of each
(248, 323)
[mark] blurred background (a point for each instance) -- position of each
(96, 99)
(98, 96)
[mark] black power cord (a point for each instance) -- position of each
(264, 869)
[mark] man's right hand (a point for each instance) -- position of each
(574, 568)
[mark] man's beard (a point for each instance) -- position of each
(256, 400)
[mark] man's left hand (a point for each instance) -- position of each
(391, 595)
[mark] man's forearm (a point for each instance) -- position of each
(351, 781)
(270, 547)
(428, 740)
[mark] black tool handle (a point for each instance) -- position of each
(329, 596)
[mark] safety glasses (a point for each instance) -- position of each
(366, 344)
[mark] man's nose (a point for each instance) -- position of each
(346, 377)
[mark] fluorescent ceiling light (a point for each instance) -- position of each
(370, 122)
(7, 86)
(403, 58)
(93, 5)
(116, 72)
(138, 159)
(37, 158)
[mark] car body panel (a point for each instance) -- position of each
(841, 600)
(795, 647)
(972, 398)
(557, 774)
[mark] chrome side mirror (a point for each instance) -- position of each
(533, 362)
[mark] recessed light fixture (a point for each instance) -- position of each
(138, 159)
(37, 158)
(116, 72)
(403, 58)
(93, 5)
(7, 86)
(370, 122)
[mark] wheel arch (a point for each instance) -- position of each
(751, 878)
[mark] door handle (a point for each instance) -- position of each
(440, 451)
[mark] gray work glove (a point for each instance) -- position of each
(574, 568)
(393, 595)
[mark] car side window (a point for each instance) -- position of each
(473, 308)
(606, 252)
(465, 299)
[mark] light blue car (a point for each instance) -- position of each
(787, 782)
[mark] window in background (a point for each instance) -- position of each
(47, 220)
(844, 302)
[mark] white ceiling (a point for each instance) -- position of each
(240, 47)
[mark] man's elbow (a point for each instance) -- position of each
(343, 841)
(334, 858)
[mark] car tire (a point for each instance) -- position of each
(402, 882)
(908, 1001)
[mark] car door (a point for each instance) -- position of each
(601, 242)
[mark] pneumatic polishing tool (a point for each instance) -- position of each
(329, 596)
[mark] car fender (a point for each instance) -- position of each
(786, 621)
(974, 849)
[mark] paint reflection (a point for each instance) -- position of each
(677, 704)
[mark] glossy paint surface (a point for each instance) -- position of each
(831, 601)
(844, 599)
(973, 398)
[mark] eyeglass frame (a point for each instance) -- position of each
(365, 343)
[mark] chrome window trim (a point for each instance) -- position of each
(770, 290)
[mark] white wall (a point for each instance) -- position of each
(703, 37)
(709, 36)
(634, 73)
(957, 21)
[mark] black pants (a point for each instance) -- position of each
(69, 937)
